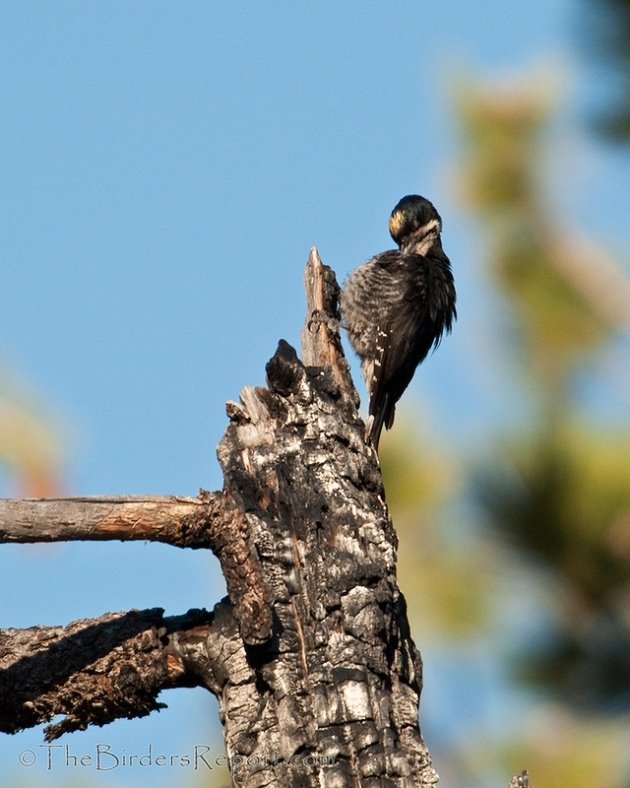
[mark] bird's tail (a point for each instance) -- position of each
(381, 415)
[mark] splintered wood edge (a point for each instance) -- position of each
(321, 344)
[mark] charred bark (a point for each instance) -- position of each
(98, 670)
(310, 656)
(331, 698)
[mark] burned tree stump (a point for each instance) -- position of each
(310, 653)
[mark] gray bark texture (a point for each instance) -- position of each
(310, 653)
(331, 698)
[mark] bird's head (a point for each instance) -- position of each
(415, 225)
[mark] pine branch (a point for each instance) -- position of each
(183, 522)
(311, 657)
(211, 521)
(95, 671)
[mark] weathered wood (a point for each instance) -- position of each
(333, 694)
(175, 520)
(311, 658)
(321, 345)
(317, 677)
(95, 671)
(211, 521)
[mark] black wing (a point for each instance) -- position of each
(423, 307)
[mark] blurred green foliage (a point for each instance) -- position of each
(30, 448)
(564, 483)
(553, 495)
(607, 37)
(436, 564)
(559, 289)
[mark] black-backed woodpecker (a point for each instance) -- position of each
(397, 306)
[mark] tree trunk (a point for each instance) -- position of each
(331, 696)
(310, 655)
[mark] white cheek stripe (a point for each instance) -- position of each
(432, 225)
(428, 237)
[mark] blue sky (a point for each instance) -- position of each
(164, 170)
